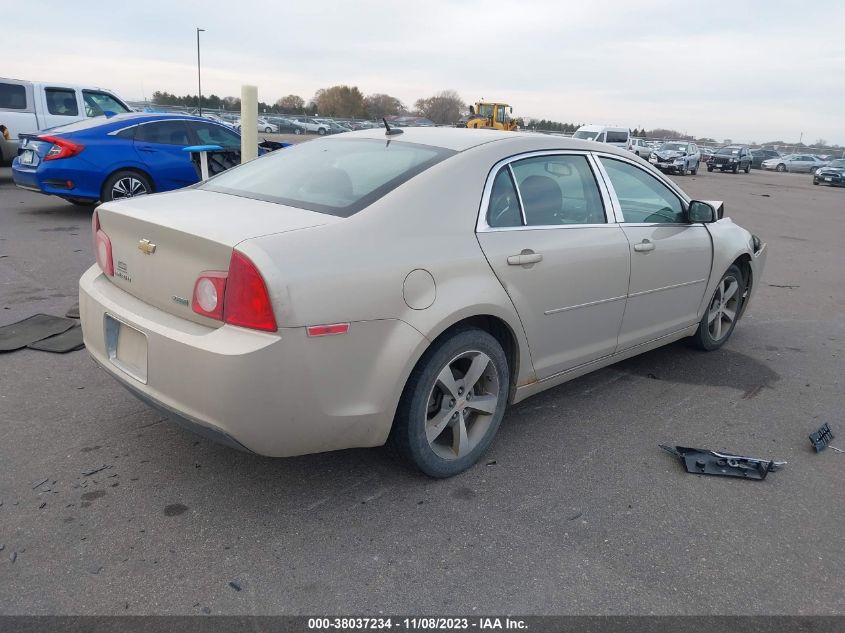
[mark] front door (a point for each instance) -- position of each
(670, 258)
(159, 145)
(563, 263)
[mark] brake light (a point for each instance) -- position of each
(238, 296)
(62, 148)
(247, 300)
(102, 246)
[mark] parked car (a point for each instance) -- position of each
(286, 126)
(312, 125)
(706, 153)
(333, 126)
(759, 155)
(262, 124)
(831, 174)
(119, 157)
(677, 157)
(404, 343)
(616, 136)
(27, 106)
(639, 147)
(218, 119)
(731, 158)
(794, 162)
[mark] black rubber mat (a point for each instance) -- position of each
(34, 328)
(68, 341)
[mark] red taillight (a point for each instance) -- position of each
(237, 297)
(247, 300)
(62, 148)
(102, 246)
(209, 294)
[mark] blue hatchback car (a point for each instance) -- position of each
(117, 157)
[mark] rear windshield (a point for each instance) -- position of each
(338, 176)
(584, 134)
(616, 137)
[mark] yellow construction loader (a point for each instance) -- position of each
(490, 116)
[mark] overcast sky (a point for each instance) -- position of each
(746, 70)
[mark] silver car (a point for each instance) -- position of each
(805, 163)
(403, 287)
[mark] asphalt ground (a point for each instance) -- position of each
(574, 510)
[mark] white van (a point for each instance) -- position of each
(27, 107)
(617, 136)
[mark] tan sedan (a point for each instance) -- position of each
(368, 288)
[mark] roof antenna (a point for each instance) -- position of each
(388, 131)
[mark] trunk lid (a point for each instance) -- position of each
(188, 232)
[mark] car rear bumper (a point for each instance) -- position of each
(56, 181)
(724, 166)
(278, 394)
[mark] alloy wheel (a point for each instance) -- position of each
(128, 187)
(724, 307)
(462, 404)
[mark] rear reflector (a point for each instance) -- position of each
(327, 330)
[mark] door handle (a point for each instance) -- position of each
(145, 148)
(644, 246)
(525, 258)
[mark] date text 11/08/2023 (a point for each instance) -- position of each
(416, 624)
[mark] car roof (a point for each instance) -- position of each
(123, 120)
(461, 139)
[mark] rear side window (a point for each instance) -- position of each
(503, 209)
(61, 101)
(558, 190)
(616, 137)
(164, 132)
(338, 176)
(12, 96)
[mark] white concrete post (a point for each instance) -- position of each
(249, 123)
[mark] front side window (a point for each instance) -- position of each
(585, 135)
(98, 103)
(339, 176)
(643, 198)
(61, 101)
(163, 132)
(558, 190)
(12, 96)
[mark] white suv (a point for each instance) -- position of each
(639, 147)
(312, 125)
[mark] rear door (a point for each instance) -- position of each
(159, 145)
(61, 106)
(670, 258)
(550, 236)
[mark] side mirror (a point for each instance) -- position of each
(701, 212)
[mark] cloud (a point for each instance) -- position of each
(750, 71)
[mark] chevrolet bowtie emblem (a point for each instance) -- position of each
(146, 247)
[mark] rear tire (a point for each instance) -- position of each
(125, 184)
(722, 312)
(452, 404)
(297, 131)
(267, 130)
(709, 168)
(694, 171)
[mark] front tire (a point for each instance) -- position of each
(297, 131)
(748, 168)
(267, 130)
(321, 132)
(710, 169)
(452, 404)
(695, 170)
(125, 184)
(780, 167)
(722, 313)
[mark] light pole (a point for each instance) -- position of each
(199, 76)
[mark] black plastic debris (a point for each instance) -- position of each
(703, 462)
(235, 585)
(39, 326)
(37, 484)
(821, 437)
(92, 471)
(68, 341)
(73, 311)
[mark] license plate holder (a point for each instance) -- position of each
(28, 157)
(828, 179)
(126, 347)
